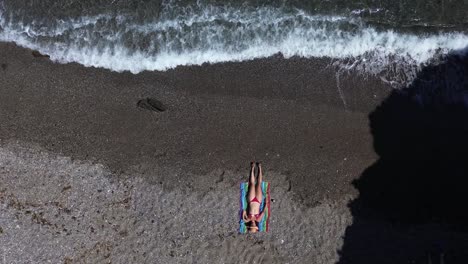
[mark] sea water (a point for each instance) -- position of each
(383, 38)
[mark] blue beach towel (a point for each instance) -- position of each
(263, 225)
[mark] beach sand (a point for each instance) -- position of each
(86, 176)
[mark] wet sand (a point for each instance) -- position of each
(83, 167)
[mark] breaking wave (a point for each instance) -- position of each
(204, 33)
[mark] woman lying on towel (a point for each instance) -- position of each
(254, 198)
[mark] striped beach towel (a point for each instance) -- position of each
(263, 225)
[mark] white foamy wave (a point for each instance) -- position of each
(211, 34)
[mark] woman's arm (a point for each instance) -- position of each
(259, 218)
(244, 216)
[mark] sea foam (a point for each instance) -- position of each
(212, 34)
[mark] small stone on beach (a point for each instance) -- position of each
(152, 104)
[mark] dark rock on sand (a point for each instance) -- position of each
(37, 54)
(4, 66)
(152, 104)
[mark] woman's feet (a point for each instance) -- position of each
(252, 167)
(258, 164)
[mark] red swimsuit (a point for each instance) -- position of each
(255, 200)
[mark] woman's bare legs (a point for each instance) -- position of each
(251, 193)
(258, 191)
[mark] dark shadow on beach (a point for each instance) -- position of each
(412, 204)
